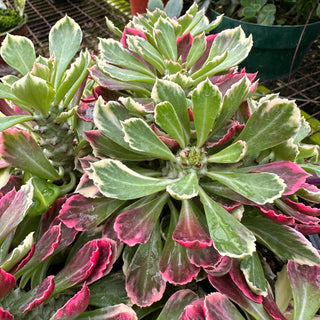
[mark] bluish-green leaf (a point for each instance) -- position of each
(258, 187)
(143, 139)
(231, 154)
(206, 101)
(64, 41)
(115, 180)
(230, 237)
(165, 38)
(9, 121)
(185, 188)
(271, 124)
(167, 118)
(284, 241)
(165, 90)
(34, 92)
(18, 52)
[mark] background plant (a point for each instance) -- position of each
(168, 178)
(268, 12)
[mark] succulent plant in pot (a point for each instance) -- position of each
(162, 192)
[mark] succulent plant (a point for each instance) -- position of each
(159, 184)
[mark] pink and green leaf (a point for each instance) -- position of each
(189, 232)
(292, 174)
(226, 286)
(271, 124)
(229, 236)
(13, 208)
(74, 306)
(38, 295)
(240, 281)
(218, 307)
(115, 312)
(135, 226)
(84, 214)
(7, 283)
(10, 121)
(194, 311)
(286, 242)
(305, 285)
(115, 180)
(144, 283)
(21, 150)
(258, 187)
(303, 208)
(80, 266)
(176, 303)
(175, 267)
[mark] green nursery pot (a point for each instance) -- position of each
(273, 46)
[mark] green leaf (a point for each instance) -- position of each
(114, 53)
(146, 50)
(284, 241)
(18, 52)
(258, 187)
(270, 124)
(34, 92)
(229, 236)
(115, 294)
(9, 121)
(73, 79)
(173, 8)
(231, 102)
(165, 90)
(18, 253)
(206, 101)
(22, 151)
(253, 272)
(142, 138)
(64, 41)
(167, 118)
(165, 38)
(266, 15)
(197, 49)
(185, 188)
(115, 180)
(231, 154)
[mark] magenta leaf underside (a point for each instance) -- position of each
(5, 315)
(194, 311)
(74, 306)
(7, 283)
(270, 305)
(303, 208)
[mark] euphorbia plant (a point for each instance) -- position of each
(186, 180)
